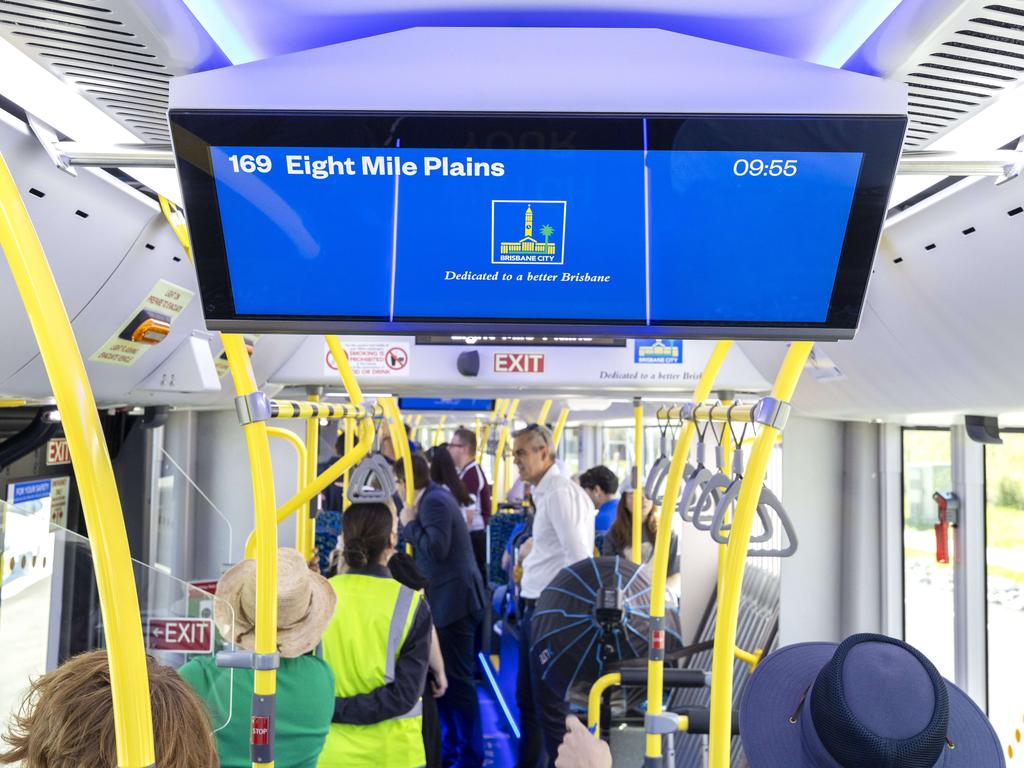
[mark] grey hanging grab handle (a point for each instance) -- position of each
(372, 479)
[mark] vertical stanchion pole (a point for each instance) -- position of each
(350, 444)
(723, 549)
(101, 505)
(499, 457)
(308, 521)
(736, 559)
(542, 417)
(638, 485)
(563, 417)
(248, 400)
(659, 563)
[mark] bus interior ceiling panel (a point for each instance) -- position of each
(792, 28)
(595, 370)
(87, 225)
(943, 305)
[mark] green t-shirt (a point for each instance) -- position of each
(305, 704)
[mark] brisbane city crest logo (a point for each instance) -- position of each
(528, 231)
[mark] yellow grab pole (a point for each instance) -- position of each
(115, 581)
(723, 549)
(563, 417)
(401, 441)
(601, 685)
(499, 455)
(638, 489)
(416, 427)
(300, 459)
(355, 394)
(438, 430)
(265, 682)
(542, 417)
(659, 565)
(320, 482)
(736, 559)
(307, 522)
(350, 443)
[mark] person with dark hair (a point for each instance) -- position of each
(67, 719)
(601, 485)
(619, 539)
(443, 472)
(463, 451)
(379, 672)
(435, 528)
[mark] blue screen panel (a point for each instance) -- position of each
(444, 404)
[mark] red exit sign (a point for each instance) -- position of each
(181, 635)
(57, 452)
(518, 362)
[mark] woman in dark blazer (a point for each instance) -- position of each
(436, 529)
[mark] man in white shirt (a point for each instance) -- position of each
(563, 533)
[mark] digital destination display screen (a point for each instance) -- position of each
(425, 223)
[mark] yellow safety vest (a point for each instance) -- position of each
(361, 644)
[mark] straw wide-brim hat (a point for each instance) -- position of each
(305, 604)
(870, 700)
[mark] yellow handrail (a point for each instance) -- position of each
(400, 440)
(265, 682)
(438, 430)
(499, 456)
(739, 540)
(355, 393)
(563, 417)
(638, 487)
(544, 409)
(659, 566)
(115, 581)
(307, 523)
(297, 443)
(350, 444)
(601, 685)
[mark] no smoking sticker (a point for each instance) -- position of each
(372, 358)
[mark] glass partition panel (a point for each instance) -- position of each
(49, 610)
(1004, 544)
(927, 584)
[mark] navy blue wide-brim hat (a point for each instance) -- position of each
(868, 702)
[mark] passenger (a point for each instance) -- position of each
(378, 644)
(443, 472)
(403, 570)
(463, 451)
(579, 748)
(67, 719)
(563, 533)
(601, 485)
(619, 539)
(440, 543)
(305, 685)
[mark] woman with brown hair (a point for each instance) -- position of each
(619, 539)
(67, 719)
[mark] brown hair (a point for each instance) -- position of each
(420, 471)
(67, 719)
(621, 532)
(443, 472)
(365, 532)
(468, 437)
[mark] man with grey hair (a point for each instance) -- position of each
(563, 533)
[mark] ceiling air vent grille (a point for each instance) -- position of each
(976, 55)
(105, 49)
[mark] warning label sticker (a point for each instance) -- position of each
(372, 358)
(166, 301)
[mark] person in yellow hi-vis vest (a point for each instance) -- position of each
(378, 645)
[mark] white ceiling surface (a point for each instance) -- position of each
(941, 331)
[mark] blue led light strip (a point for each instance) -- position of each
(497, 694)
(220, 27)
(854, 31)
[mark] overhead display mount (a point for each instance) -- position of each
(646, 208)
